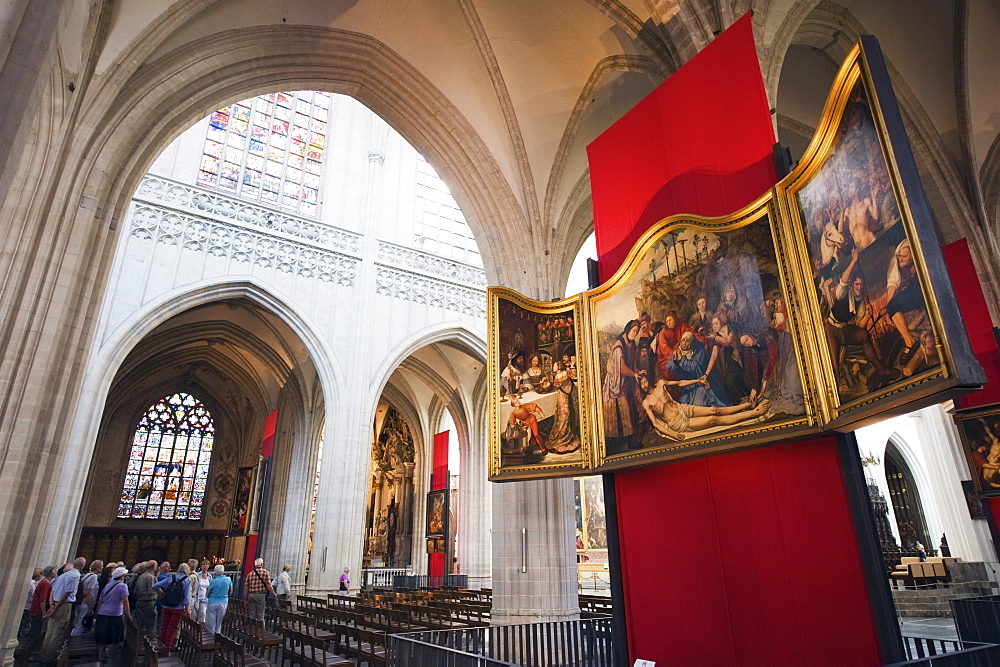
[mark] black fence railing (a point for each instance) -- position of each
(948, 653)
(977, 619)
(582, 643)
(417, 581)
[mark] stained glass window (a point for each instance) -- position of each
(168, 466)
(257, 149)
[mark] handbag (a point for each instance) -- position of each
(269, 598)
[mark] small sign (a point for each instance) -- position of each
(644, 663)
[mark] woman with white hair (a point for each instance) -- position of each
(217, 600)
(111, 606)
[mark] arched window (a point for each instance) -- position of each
(168, 467)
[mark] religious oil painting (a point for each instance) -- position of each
(865, 273)
(536, 387)
(980, 431)
(436, 513)
(239, 520)
(696, 342)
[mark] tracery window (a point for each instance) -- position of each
(440, 226)
(269, 149)
(168, 466)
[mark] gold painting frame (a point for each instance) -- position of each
(832, 295)
(955, 367)
(532, 464)
(763, 210)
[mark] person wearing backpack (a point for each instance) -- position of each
(86, 598)
(175, 596)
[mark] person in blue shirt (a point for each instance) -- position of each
(172, 612)
(217, 597)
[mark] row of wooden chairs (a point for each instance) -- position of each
(249, 632)
(229, 653)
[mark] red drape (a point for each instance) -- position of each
(746, 558)
(439, 480)
(743, 558)
(700, 143)
(979, 325)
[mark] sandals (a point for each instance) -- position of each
(908, 353)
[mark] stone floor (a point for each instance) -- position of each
(933, 628)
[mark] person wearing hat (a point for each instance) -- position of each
(112, 605)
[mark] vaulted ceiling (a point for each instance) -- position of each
(526, 85)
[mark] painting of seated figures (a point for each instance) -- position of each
(696, 343)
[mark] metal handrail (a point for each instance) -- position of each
(583, 643)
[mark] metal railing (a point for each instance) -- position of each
(417, 581)
(977, 619)
(582, 643)
(948, 653)
(382, 577)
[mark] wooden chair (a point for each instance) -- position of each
(194, 642)
(372, 646)
(230, 654)
(153, 659)
(262, 642)
(302, 649)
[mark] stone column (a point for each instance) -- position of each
(475, 507)
(947, 466)
(534, 553)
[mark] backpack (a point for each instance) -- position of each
(173, 594)
(81, 589)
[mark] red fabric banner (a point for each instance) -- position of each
(267, 441)
(439, 480)
(700, 143)
(747, 558)
(978, 324)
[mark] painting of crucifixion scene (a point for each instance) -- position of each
(696, 341)
(538, 397)
(864, 269)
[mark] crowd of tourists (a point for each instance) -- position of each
(76, 599)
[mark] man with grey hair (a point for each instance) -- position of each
(257, 585)
(60, 615)
(85, 607)
(145, 598)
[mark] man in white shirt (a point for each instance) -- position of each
(60, 615)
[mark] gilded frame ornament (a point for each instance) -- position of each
(514, 449)
(748, 429)
(882, 378)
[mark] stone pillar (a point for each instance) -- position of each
(541, 513)
(338, 534)
(475, 507)
(288, 544)
(946, 466)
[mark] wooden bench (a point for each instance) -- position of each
(230, 654)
